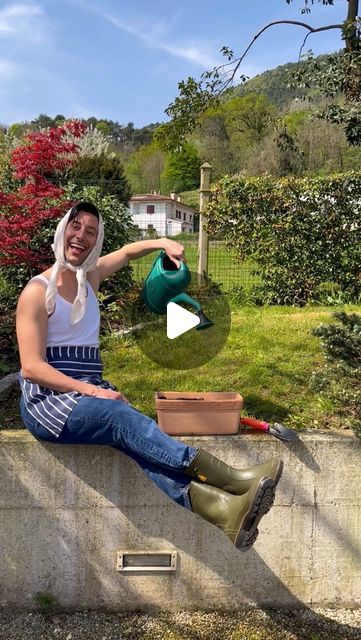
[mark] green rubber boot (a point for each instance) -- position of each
(208, 469)
(237, 516)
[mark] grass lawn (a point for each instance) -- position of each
(268, 358)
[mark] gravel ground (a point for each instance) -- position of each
(276, 624)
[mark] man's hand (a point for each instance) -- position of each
(106, 394)
(174, 251)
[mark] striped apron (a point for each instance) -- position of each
(52, 408)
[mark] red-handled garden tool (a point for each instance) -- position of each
(276, 429)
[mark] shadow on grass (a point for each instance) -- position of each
(290, 376)
(264, 409)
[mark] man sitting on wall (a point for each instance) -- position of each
(65, 399)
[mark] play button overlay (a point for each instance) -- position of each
(177, 338)
(179, 320)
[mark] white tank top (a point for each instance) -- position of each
(61, 332)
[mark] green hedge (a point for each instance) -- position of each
(339, 378)
(303, 233)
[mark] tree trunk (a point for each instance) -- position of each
(351, 43)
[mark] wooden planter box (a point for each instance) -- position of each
(191, 413)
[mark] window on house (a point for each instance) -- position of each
(150, 208)
(184, 216)
(150, 226)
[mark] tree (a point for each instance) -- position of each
(144, 168)
(104, 171)
(36, 165)
(43, 121)
(249, 115)
(93, 143)
(182, 170)
(228, 133)
(18, 129)
(212, 140)
(117, 134)
(339, 74)
(59, 119)
(8, 142)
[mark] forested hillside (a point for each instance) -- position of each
(263, 126)
(275, 84)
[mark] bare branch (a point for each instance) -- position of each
(272, 24)
(302, 45)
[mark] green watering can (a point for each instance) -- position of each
(165, 283)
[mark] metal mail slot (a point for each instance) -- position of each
(146, 561)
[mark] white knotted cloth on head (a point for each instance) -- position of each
(89, 264)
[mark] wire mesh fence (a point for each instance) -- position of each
(223, 267)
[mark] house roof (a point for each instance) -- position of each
(153, 197)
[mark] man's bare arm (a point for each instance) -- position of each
(112, 262)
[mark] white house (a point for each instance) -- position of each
(168, 216)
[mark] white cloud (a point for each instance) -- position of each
(154, 35)
(189, 52)
(22, 22)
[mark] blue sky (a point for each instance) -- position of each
(123, 59)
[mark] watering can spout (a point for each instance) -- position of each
(204, 322)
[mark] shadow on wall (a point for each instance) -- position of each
(103, 510)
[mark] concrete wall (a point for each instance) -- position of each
(66, 510)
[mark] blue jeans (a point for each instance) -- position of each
(115, 423)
